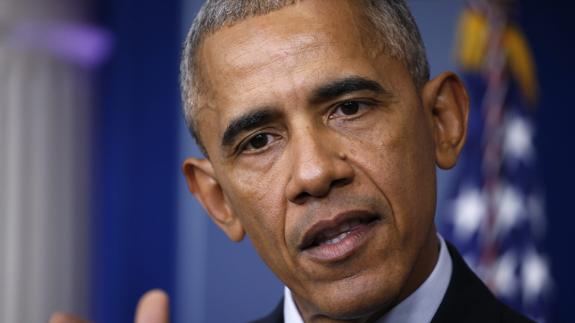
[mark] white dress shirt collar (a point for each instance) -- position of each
(419, 307)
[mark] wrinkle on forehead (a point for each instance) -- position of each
(285, 52)
(295, 30)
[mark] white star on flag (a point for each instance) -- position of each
(510, 209)
(469, 210)
(535, 276)
(504, 276)
(518, 139)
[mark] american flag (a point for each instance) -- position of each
(495, 210)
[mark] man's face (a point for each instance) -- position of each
(324, 153)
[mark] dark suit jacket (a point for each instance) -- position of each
(467, 300)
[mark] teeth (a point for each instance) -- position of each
(337, 234)
(337, 239)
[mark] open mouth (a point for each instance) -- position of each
(335, 239)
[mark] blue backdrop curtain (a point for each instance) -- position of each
(136, 164)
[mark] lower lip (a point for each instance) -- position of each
(342, 249)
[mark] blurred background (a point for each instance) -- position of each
(94, 210)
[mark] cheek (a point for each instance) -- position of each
(401, 165)
(263, 219)
(263, 216)
(257, 207)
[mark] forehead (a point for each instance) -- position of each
(283, 33)
(265, 57)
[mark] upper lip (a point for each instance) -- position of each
(319, 227)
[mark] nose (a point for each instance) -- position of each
(318, 165)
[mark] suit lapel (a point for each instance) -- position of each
(276, 316)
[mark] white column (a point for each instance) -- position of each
(44, 173)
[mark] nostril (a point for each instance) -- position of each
(302, 198)
(340, 182)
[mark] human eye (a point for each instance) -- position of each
(351, 109)
(257, 142)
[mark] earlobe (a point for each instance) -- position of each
(446, 98)
(203, 184)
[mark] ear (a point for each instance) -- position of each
(446, 98)
(203, 184)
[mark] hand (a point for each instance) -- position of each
(152, 308)
(66, 318)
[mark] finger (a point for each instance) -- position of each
(153, 307)
(59, 317)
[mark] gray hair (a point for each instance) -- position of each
(391, 19)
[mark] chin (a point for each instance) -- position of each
(353, 299)
(356, 308)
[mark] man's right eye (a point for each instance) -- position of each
(257, 142)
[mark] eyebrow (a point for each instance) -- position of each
(344, 86)
(248, 121)
(260, 116)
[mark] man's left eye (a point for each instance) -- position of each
(349, 109)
